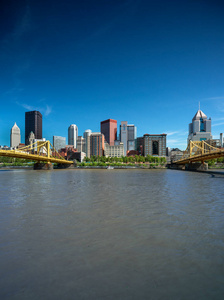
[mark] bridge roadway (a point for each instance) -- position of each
(200, 157)
(35, 157)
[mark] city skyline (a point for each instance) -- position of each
(149, 63)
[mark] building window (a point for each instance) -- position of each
(123, 126)
(202, 125)
(155, 148)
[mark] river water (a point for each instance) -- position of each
(111, 234)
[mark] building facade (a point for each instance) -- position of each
(96, 144)
(86, 136)
(73, 135)
(155, 144)
(109, 129)
(116, 150)
(200, 128)
(15, 137)
(81, 144)
(59, 142)
(128, 135)
(221, 140)
(33, 122)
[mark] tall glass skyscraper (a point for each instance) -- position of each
(33, 122)
(200, 128)
(128, 135)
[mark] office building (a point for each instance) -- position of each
(221, 140)
(81, 144)
(33, 122)
(109, 129)
(128, 134)
(200, 128)
(73, 135)
(15, 137)
(155, 144)
(140, 145)
(96, 144)
(86, 136)
(116, 150)
(59, 142)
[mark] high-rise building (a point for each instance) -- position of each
(200, 128)
(128, 135)
(221, 140)
(109, 129)
(155, 144)
(96, 144)
(59, 142)
(81, 144)
(73, 135)
(33, 122)
(15, 137)
(86, 136)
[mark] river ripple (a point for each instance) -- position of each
(111, 234)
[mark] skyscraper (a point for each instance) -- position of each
(200, 128)
(86, 136)
(15, 136)
(73, 135)
(128, 135)
(109, 129)
(96, 144)
(59, 142)
(33, 122)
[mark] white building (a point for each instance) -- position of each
(116, 150)
(15, 137)
(200, 128)
(73, 135)
(86, 136)
(81, 145)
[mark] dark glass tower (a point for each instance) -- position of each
(33, 122)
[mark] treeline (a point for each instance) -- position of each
(126, 159)
(216, 162)
(11, 161)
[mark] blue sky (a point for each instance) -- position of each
(81, 62)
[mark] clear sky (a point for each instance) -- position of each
(141, 61)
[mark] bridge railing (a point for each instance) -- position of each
(42, 148)
(197, 148)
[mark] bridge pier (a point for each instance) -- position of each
(176, 167)
(64, 166)
(196, 166)
(43, 166)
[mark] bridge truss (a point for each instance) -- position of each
(199, 151)
(40, 151)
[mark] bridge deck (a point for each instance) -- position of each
(200, 157)
(28, 156)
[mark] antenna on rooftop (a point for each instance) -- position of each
(199, 105)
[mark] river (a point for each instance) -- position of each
(111, 234)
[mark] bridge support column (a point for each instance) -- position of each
(176, 167)
(196, 167)
(65, 166)
(43, 166)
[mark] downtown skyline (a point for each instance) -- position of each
(146, 62)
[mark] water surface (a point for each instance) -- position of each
(111, 234)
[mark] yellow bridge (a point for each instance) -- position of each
(41, 151)
(199, 152)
